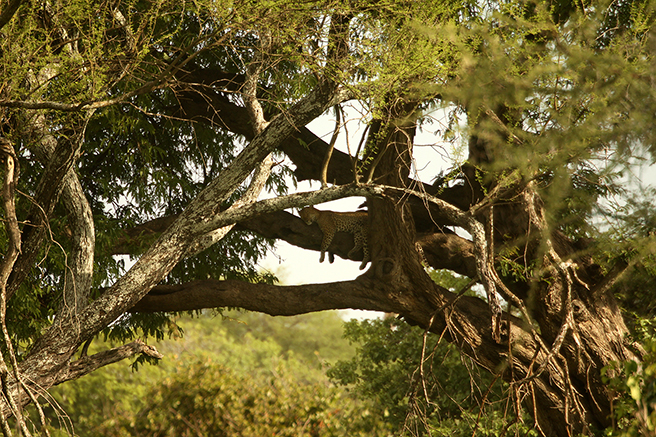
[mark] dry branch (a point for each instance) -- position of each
(88, 364)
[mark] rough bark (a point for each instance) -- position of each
(441, 250)
(553, 366)
(49, 360)
(60, 159)
(395, 282)
(551, 355)
(56, 346)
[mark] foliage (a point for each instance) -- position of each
(314, 338)
(420, 384)
(436, 53)
(634, 386)
(138, 96)
(207, 399)
(630, 239)
(237, 374)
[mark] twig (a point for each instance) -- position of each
(331, 146)
(8, 203)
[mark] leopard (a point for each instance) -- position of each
(354, 222)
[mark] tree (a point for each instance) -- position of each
(234, 374)
(421, 385)
(150, 128)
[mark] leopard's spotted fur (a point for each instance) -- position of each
(331, 221)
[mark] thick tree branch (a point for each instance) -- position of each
(295, 200)
(54, 349)
(11, 222)
(13, 250)
(203, 100)
(442, 250)
(60, 157)
(80, 262)
(461, 319)
(449, 251)
(8, 12)
(256, 186)
(270, 299)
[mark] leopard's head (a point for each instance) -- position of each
(309, 214)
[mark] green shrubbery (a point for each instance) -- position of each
(250, 375)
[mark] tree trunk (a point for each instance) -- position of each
(553, 363)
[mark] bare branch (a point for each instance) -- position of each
(13, 250)
(290, 201)
(249, 93)
(88, 364)
(9, 205)
(331, 147)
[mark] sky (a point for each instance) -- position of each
(296, 266)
